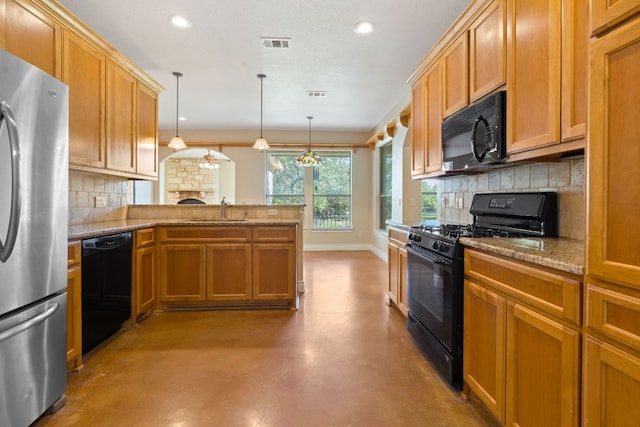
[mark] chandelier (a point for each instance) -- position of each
(210, 162)
(309, 159)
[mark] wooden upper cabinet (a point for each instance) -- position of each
(418, 128)
(607, 13)
(454, 74)
(426, 145)
(83, 70)
(614, 184)
(433, 121)
(32, 36)
(121, 141)
(147, 132)
(533, 74)
(575, 62)
(487, 50)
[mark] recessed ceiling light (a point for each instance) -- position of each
(180, 21)
(364, 27)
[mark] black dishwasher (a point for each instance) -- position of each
(106, 287)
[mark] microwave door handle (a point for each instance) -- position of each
(6, 248)
(485, 123)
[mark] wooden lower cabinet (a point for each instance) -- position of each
(611, 385)
(74, 307)
(229, 272)
(144, 283)
(484, 352)
(182, 272)
(543, 370)
(228, 266)
(522, 362)
(398, 274)
(274, 267)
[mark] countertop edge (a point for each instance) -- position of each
(564, 255)
(97, 229)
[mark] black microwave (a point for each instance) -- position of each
(475, 136)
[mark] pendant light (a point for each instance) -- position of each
(261, 143)
(309, 159)
(176, 142)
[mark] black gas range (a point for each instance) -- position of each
(436, 271)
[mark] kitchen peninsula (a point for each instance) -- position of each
(191, 257)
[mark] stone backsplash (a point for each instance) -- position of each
(565, 177)
(88, 191)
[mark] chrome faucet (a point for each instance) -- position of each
(223, 207)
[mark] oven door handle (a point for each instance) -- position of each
(430, 257)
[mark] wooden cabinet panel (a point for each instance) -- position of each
(393, 262)
(418, 127)
(614, 190)
(229, 272)
(274, 271)
(575, 61)
(147, 131)
(533, 74)
(487, 51)
(32, 36)
(403, 284)
(205, 234)
(74, 306)
(427, 127)
(274, 233)
(611, 386)
(615, 313)
(83, 70)
(554, 292)
(182, 272)
(543, 370)
(607, 13)
(121, 144)
(397, 269)
(145, 280)
(484, 355)
(455, 79)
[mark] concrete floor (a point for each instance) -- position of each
(344, 359)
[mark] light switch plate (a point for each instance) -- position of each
(101, 202)
(272, 212)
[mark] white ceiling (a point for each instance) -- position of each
(221, 54)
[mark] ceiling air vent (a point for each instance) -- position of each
(317, 93)
(279, 43)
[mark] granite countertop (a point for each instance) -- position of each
(562, 254)
(96, 229)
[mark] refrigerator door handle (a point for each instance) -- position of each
(15, 330)
(6, 248)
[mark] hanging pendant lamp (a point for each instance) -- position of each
(176, 142)
(261, 143)
(309, 159)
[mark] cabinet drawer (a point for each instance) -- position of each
(191, 233)
(615, 313)
(145, 237)
(74, 253)
(398, 237)
(554, 292)
(285, 233)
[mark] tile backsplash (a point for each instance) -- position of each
(565, 177)
(96, 198)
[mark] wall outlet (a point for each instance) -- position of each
(100, 202)
(272, 212)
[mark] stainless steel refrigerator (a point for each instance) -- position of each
(33, 240)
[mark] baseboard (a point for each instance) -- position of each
(380, 254)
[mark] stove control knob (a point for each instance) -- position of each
(435, 246)
(415, 237)
(444, 248)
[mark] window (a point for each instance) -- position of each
(285, 179)
(332, 190)
(386, 168)
(328, 186)
(429, 200)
